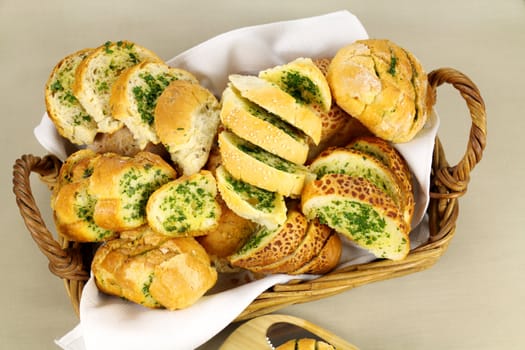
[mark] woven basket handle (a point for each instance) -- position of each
(65, 260)
(456, 178)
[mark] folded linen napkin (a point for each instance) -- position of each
(108, 322)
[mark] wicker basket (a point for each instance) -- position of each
(71, 261)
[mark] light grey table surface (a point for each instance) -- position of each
(473, 298)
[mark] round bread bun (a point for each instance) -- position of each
(383, 86)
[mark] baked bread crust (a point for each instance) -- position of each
(326, 260)
(383, 86)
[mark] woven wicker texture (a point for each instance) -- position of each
(71, 261)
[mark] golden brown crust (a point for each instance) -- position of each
(327, 258)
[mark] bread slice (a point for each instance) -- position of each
(276, 101)
(354, 207)
(96, 74)
(185, 206)
(302, 79)
(134, 97)
(253, 123)
(76, 167)
(122, 186)
(251, 164)
(316, 236)
(385, 152)
(355, 163)
(186, 122)
(70, 118)
(266, 246)
(258, 205)
(326, 260)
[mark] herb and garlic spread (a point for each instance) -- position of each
(259, 198)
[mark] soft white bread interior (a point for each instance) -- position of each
(251, 164)
(134, 96)
(186, 122)
(70, 118)
(185, 206)
(354, 207)
(256, 204)
(96, 74)
(276, 101)
(253, 123)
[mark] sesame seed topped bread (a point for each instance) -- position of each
(302, 79)
(354, 207)
(186, 122)
(96, 74)
(268, 131)
(383, 86)
(70, 118)
(185, 206)
(134, 96)
(153, 270)
(267, 246)
(278, 102)
(122, 186)
(258, 205)
(250, 163)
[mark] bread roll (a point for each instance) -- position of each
(96, 74)
(186, 122)
(354, 207)
(69, 117)
(383, 86)
(134, 96)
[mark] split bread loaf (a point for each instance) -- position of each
(382, 85)
(97, 73)
(134, 96)
(186, 122)
(359, 210)
(153, 270)
(70, 118)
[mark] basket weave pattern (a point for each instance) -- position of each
(71, 261)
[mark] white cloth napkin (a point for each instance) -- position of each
(111, 323)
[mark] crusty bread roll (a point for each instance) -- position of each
(393, 160)
(186, 122)
(96, 74)
(122, 186)
(266, 246)
(134, 96)
(154, 270)
(275, 100)
(185, 206)
(253, 165)
(302, 79)
(354, 207)
(254, 124)
(70, 118)
(383, 86)
(258, 205)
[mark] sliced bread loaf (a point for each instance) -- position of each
(186, 122)
(256, 204)
(326, 259)
(354, 207)
(185, 206)
(268, 131)
(134, 96)
(96, 74)
(70, 118)
(250, 163)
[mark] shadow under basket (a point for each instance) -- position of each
(71, 261)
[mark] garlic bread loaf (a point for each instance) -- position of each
(185, 206)
(325, 260)
(72, 121)
(186, 122)
(256, 204)
(134, 96)
(262, 128)
(354, 207)
(250, 163)
(97, 73)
